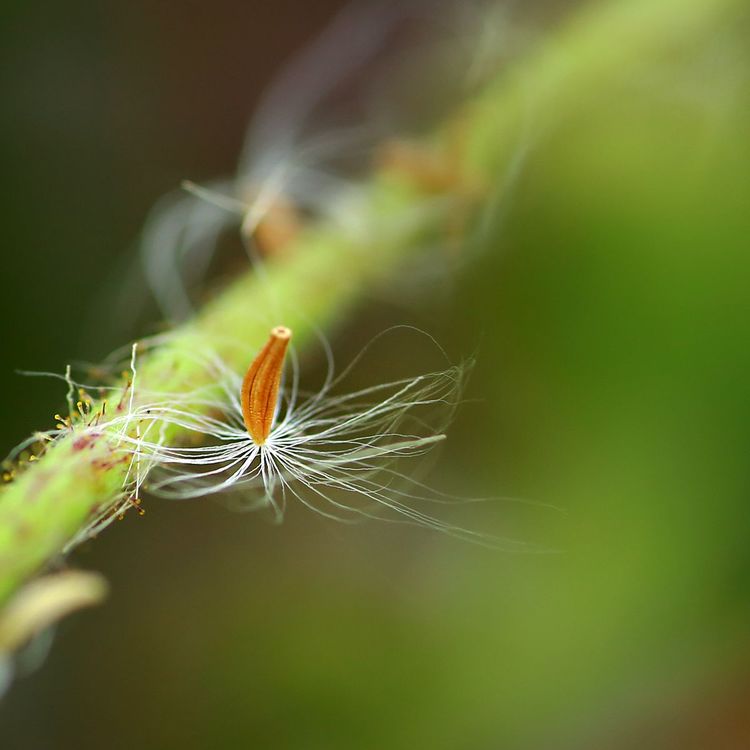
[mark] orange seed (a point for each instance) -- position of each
(260, 387)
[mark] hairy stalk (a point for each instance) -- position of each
(329, 269)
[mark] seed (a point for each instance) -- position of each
(260, 387)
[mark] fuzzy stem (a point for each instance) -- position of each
(329, 270)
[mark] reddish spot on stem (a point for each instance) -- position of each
(85, 441)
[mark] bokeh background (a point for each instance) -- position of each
(611, 316)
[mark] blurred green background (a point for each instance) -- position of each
(612, 318)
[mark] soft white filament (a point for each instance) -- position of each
(336, 453)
